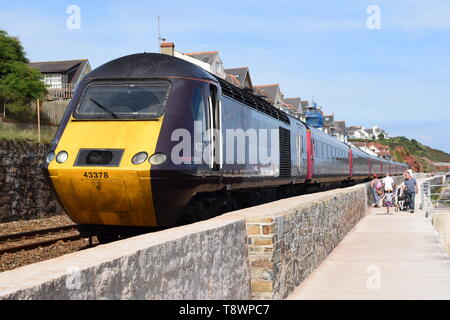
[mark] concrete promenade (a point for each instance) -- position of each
(384, 257)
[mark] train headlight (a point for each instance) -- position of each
(62, 157)
(50, 157)
(157, 158)
(140, 157)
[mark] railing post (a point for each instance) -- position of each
(38, 120)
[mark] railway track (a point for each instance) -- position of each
(32, 239)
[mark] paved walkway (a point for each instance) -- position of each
(385, 257)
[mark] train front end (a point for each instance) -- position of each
(101, 165)
(114, 139)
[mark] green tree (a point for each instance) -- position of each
(380, 136)
(19, 83)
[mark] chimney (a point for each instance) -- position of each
(168, 48)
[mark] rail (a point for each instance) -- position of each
(15, 242)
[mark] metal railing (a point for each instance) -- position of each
(435, 201)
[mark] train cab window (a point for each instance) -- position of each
(198, 110)
(215, 126)
(124, 100)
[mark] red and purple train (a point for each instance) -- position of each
(122, 159)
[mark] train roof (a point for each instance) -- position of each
(148, 65)
(327, 137)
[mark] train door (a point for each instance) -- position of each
(214, 128)
(300, 150)
(350, 163)
(310, 154)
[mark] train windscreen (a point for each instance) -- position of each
(123, 101)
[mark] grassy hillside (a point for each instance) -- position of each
(418, 156)
(416, 149)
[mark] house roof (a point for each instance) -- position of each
(203, 56)
(270, 90)
(382, 150)
(340, 125)
(259, 92)
(72, 68)
(231, 78)
(56, 66)
(296, 102)
(240, 73)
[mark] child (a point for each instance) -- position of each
(388, 200)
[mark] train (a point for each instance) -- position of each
(152, 141)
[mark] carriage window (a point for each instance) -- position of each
(123, 101)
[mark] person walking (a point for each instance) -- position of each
(375, 185)
(388, 200)
(411, 190)
(388, 182)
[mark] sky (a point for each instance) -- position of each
(396, 76)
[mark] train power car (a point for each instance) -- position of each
(150, 140)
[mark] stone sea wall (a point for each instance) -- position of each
(206, 260)
(284, 248)
(262, 252)
(24, 190)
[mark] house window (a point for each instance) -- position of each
(53, 80)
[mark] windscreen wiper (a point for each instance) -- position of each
(104, 108)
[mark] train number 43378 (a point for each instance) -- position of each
(96, 175)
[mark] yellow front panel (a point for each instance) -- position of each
(123, 196)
